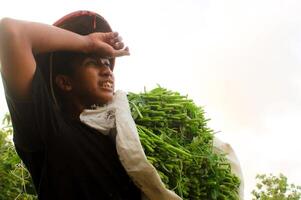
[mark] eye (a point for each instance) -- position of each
(104, 62)
(97, 62)
(91, 62)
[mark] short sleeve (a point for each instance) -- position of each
(32, 119)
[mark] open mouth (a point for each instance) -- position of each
(107, 85)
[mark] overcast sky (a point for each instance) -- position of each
(239, 59)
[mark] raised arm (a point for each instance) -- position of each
(20, 40)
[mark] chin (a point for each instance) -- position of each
(107, 98)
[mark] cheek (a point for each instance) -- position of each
(85, 84)
(87, 77)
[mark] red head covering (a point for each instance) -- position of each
(81, 22)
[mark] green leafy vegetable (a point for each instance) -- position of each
(175, 137)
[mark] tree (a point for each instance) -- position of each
(272, 187)
(15, 181)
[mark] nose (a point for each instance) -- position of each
(106, 71)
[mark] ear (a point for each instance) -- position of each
(63, 82)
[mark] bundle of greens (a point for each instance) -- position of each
(176, 140)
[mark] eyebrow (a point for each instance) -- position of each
(100, 61)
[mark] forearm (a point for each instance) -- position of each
(41, 37)
(20, 40)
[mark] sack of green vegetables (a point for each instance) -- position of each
(165, 146)
(177, 142)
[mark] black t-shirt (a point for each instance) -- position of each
(66, 159)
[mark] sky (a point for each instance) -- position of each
(238, 59)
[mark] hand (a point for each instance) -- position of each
(108, 45)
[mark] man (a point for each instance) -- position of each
(50, 75)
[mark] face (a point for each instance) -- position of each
(93, 81)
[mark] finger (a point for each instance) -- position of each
(119, 38)
(118, 45)
(114, 34)
(110, 36)
(122, 52)
(127, 49)
(115, 40)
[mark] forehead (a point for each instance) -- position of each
(94, 57)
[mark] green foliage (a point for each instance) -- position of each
(176, 140)
(15, 181)
(272, 187)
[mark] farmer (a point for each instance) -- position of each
(50, 75)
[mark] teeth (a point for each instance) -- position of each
(107, 85)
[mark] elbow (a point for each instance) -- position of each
(6, 23)
(7, 29)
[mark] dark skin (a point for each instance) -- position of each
(91, 83)
(21, 40)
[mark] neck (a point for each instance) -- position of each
(72, 109)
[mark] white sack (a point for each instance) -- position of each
(128, 146)
(117, 114)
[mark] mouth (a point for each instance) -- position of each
(107, 85)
